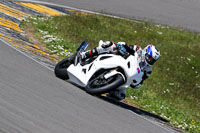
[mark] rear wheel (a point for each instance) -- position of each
(61, 68)
(100, 85)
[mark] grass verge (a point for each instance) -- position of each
(173, 90)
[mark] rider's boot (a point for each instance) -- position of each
(88, 54)
(104, 47)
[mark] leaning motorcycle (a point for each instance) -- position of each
(105, 73)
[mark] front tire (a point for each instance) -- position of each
(113, 83)
(61, 68)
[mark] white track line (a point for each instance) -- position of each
(81, 10)
(41, 63)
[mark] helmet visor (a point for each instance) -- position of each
(150, 60)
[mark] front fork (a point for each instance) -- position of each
(112, 73)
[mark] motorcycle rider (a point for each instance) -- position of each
(147, 57)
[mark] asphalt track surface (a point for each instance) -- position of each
(179, 13)
(33, 100)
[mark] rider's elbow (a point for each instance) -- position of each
(135, 86)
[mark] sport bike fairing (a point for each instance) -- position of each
(80, 75)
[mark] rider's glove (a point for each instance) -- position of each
(107, 44)
(121, 49)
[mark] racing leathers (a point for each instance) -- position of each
(124, 50)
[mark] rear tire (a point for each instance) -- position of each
(61, 68)
(115, 82)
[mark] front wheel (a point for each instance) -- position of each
(100, 85)
(61, 68)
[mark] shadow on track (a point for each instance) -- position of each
(128, 107)
(133, 109)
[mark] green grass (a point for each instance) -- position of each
(173, 90)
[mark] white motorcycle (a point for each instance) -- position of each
(105, 73)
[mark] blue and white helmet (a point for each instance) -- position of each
(152, 54)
